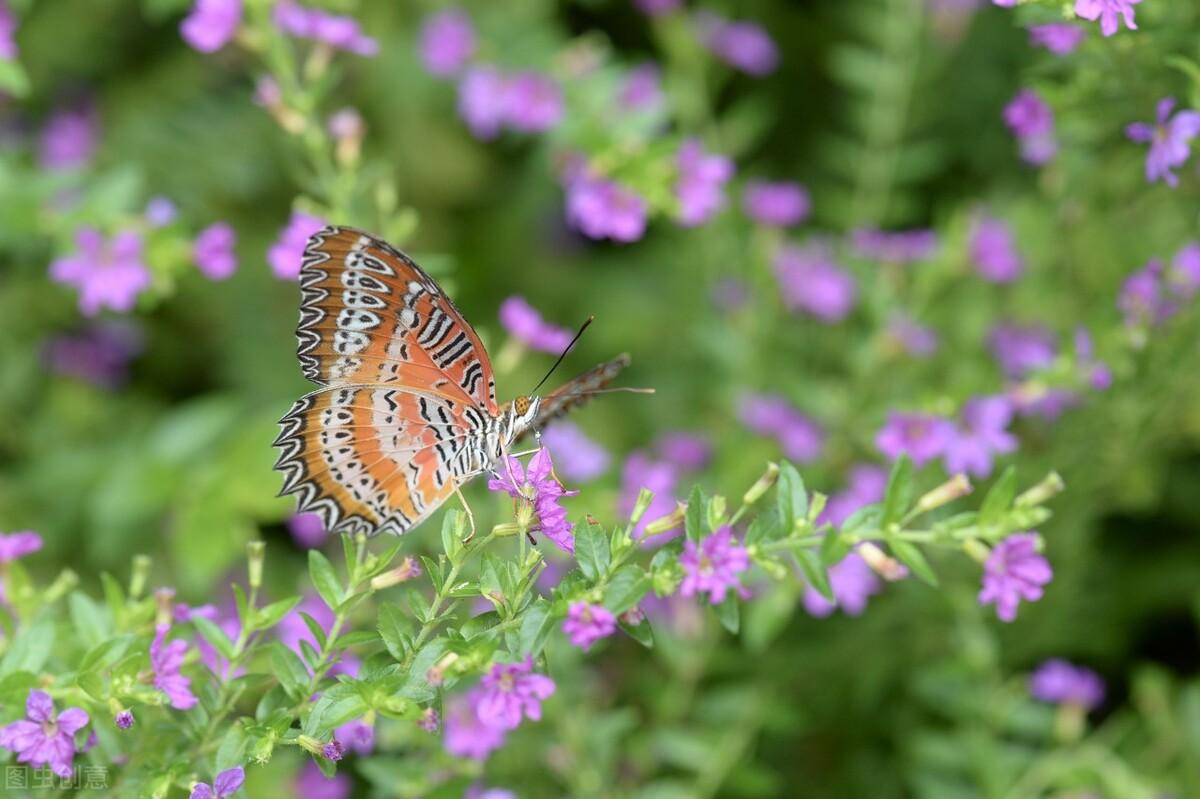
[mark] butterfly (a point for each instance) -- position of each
(406, 412)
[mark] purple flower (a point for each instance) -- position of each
(1184, 276)
(166, 660)
(538, 492)
(532, 103)
(579, 458)
(1022, 349)
(99, 354)
(812, 283)
(124, 719)
(1142, 299)
(307, 529)
(641, 471)
(743, 45)
(656, 8)
(1064, 683)
(1098, 374)
(1060, 38)
(770, 414)
(994, 251)
(894, 247)
(464, 734)
(867, 484)
(41, 739)
(482, 101)
(586, 624)
(213, 251)
(17, 545)
(713, 566)
(1047, 404)
(338, 32)
(479, 792)
(227, 783)
(1169, 138)
(8, 31)
(108, 274)
(212, 24)
(447, 42)
(982, 434)
(357, 736)
(1108, 11)
(912, 338)
(601, 209)
(286, 254)
(68, 139)
(776, 204)
(641, 88)
(1032, 122)
(700, 187)
(686, 451)
(524, 322)
(1014, 571)
(921, 436)
(160, 212)
(310, 783)
(510, 692)
(333, 751)
(852, 582)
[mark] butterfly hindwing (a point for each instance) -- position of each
(370, 315)
(380, 458)
(575, 391)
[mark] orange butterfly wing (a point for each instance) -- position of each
(370, 316)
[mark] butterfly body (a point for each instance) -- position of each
(407, 411)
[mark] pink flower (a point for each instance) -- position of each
(1169, 138)
(166, 661)
(287, 253)
(1064, 683)
(1109, 12)
(1060, 38)
(540, 490)
(18, 545)
(776, 204)
(1015, 570)
(982, 434)
(524, 322)
(42, 739)
(342, 33)
(587, 623)
(813, 283)
(227, 783)
(602, 209)
(700, 187)
(447, 42)
(213, 251)
(853, 583)
(211, 24)
(921, 436)
(713, 566)
(510, 692)
(464, 735)
(108, 274)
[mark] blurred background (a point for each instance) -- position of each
(935, 236)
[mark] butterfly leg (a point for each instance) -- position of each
(467, 508)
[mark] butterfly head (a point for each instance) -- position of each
(522, 413)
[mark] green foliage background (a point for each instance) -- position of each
(890, 118)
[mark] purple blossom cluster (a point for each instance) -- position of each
(537, 492)
(43, 738)
(490, 101)
(700, 185)
(994, 252)
(211, 24)
(1014, 571)
(1155, 292)
(478, 722)
(780, 204)
(1109, 12)
(287, 253)
(447, 42)
(1060, 38)
(1169, 137)
(773, 415)
(743, 45)
(1060, 682)
(675, 453)
(812, 283)
(329, 30)
(894, 247)
(524, 323)
(107, 273)
(69, 138)
(1032, 122)
(587, 623)
(712, 566)
(578, 458)
(603, 209)
(8, 31)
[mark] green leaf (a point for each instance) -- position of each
(899, 492)
(814, 572)
(338, 704)
(320, 571)
(13, 79)
(642, 632)
(232, 751)
(318, 632)
(93, 685)
(765, 527)
(450, 541)
(790, 497)
(114, 595)
(728, 614)
(417, 687)
(270, 615)
(243, 604)
(291, 672)
(391, 626)
(356, 638)
(998, 499)
(489, 575)
(626, 588)
(29, 650)
(536, 626)
(105, 653)
(214, 635)
(89, 619)
(694, 518)
(833, 548)
(592, 551)
(911, 556)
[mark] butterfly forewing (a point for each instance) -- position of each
(370, 316)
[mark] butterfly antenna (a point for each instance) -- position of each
(582, 328)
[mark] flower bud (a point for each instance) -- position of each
(957, 486)
(268, 94)
(816, 505)
(407, 570)
(1051, 486)
(264, 749)
(633, 617)
(124, 719)
(977, 550)
(429, 720)
(138, 574)
(672, 521)
(716, 512)
(882, 563)
(62, 585)
(311, 745)
(347, 129)
(164, 598)
(255, 551)
(645, 497)
(437, 673)
(762, 485)
(506, 529)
